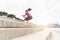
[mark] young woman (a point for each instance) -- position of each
(27, 15)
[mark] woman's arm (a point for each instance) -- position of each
(24, 15)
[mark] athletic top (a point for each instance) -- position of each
(28, 14)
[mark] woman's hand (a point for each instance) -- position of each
(24, 16)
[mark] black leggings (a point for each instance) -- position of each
(28, 18)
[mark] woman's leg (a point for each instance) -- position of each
(27, 20)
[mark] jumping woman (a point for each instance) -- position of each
(27, 15)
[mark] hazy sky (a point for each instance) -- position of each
(43, 11)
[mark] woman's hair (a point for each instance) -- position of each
(29, 9)
(26, 10)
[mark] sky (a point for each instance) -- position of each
(43, 11)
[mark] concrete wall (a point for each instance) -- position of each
(11, 23)
(9, 33)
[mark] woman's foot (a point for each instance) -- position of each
(26, 23)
